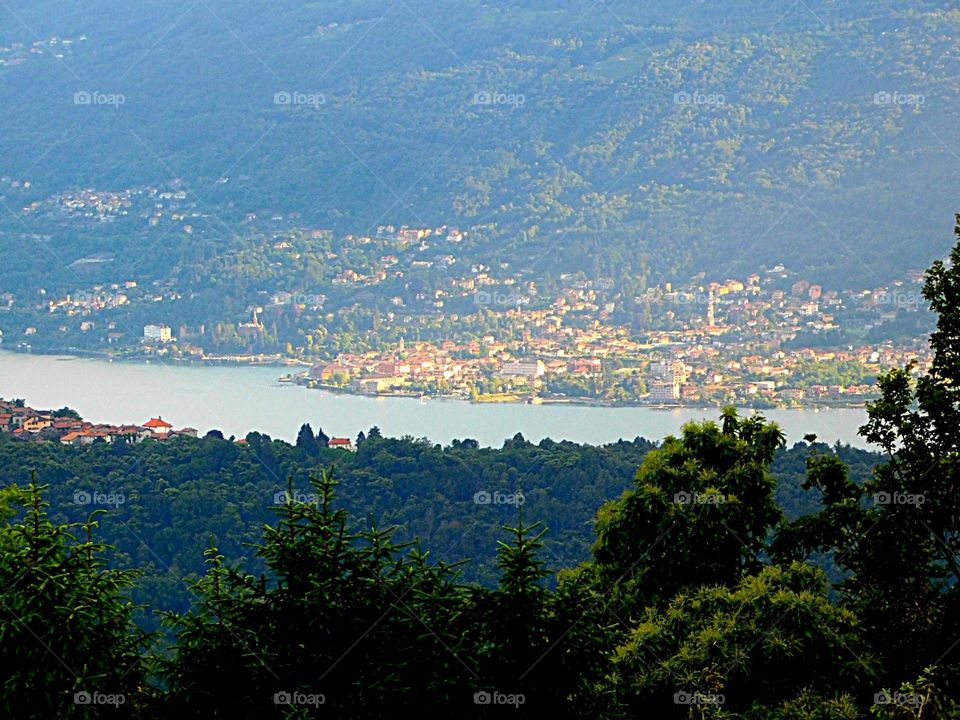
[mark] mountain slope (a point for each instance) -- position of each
(653, 139)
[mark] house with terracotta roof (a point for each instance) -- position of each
(157, 427)
(67, 424)
(80, 437)
(341, 443)
(326, 372)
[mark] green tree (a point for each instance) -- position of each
(68, 646)
(897, 537)
(351, 618)
(323, 440)
(307, 441)
(699, 513)
(546, 650)
(517, 621)
(66, 412)
(743, 651)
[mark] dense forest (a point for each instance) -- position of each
(603, 138)
(705, 593)
(169, 498)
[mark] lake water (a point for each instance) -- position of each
(239, 399)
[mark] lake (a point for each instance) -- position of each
(237, 400)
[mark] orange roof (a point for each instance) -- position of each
(70, 437)
(157, 423)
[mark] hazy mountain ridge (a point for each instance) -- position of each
(612, 138)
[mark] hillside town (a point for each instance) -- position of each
(66, 427)
(757, 342)
(414, 311)
(698, 376)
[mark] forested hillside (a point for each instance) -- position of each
(634, 141)
(165, 501)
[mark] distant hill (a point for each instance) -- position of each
(646, 140)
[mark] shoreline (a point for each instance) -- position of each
(292, 379)
(574, 402)
(238, 399)
(212, 360)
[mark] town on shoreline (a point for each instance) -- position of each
(498, 334)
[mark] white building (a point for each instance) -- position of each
(664, 392)
(674, 371)
(524, 368)
(157, 333)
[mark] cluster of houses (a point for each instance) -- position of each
(22, 421)
(383, 372)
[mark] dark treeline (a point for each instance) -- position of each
(700, 596)
(163, 501)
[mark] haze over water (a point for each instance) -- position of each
(237, 400)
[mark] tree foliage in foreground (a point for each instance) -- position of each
(897, 537)
(67, 639)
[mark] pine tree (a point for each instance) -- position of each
(68, 646)
(322, 439)
(307, 441)
(351, 617)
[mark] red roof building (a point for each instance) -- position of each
(342, 443)
(158, 426)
